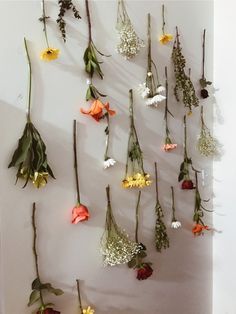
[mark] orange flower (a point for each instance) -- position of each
(198, 229)
(96, 110)
(79, 213)
(168, 147)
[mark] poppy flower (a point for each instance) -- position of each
(144, 271)
(48, 311)
(96, 110)
(187, 185)
(79, 213)
(198, 229)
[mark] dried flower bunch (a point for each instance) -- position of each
(151, 90)
(203, 81)
(184, 174)
(161, 236)
(165, 38)
(168, 146)
(199, 225)
(175, 223)
(49, 53)
(143, 269)
(30, 156)
(82, 310)
(129, 43)
(135, 176)
(116, 247)
(38, 288)
(183, 83)
(207, 144)
(64, 6)
(80, 212)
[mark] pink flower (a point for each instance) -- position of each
(79, 213)
(168, 147)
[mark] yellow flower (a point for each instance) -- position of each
(40, 179)
(190, 113)
(49, 54)
(165, 38)
(89, 310)
(138, 180)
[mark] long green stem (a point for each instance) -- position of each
(107, 136)
(30, 81)
(203, 54)
(185, 138)
(166, 104)
(89, 21)
(75, 160)
(137, 217)
(173, 204)
(44, 17)
(156, 180)
(35, 250)
(79, 296)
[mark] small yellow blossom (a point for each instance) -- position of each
(190, 113)
(89, 310)
(40, 179)
(138, 180)
(165, 38)
(49, 54)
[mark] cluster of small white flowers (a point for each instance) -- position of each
(154, 101)
(130, 44)
(143, 90)
(109, 162)
(207, 144)
(176, 224)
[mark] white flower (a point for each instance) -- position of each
(149, 74)
(88, 81)
(143, 90)
(175, 224)
(160, 89)
(108, 163)
(154, 101)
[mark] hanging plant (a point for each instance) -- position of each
(80, 212)
(151, 90)
(49, 53)
(38, 287)
(165, 38)
(89, 310)
(135, 176)
(183, 84)
(207, 145)
(116, 247)
(30, 156)
(143, 269)
(199, 225)
(175, 223)
(64, 6)
(161, 236)
(168, 146)
(184, 174)
(203, 81)
(129, 43)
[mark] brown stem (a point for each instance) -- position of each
(89, 21)
(44, 17)
(163, 19)
(166, 103)
(137, 217)
(75, 161)
(149, 44)
(177, 36)
(156, 180)
(203, 54)
(173, 203)
(185, 137)
(79, 296)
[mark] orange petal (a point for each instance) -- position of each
(110, 111)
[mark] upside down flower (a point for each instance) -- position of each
(96, 110)
(89, 310)
(79, 213)
(48, 310)
(199, 228)
(138, 180)
(40, 179)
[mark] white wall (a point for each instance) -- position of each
(182, 281)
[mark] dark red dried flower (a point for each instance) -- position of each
(187, 185)
(204, 93)
(144, 271)
(48, 311)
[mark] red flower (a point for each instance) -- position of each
(198, 229)
(187, 185)
(144, 271)
(79, 213)
(48, 311)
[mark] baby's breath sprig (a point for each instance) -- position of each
(116, 247)
(183, 83)
(203, 81)
(207, 144)
(129, 43)
(161, 236)
(135, 176)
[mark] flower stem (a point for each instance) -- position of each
(185, 138)
(149, 44)
(107, 136)
(166, 104)
(173, 204)
(75, 160)
(203, 126)
(203, 54)
(35, 251)
(30, 81)
(44, 17)
(163, 19)
(156, 180)
(79, 296)
(137, 217)
(89, 21)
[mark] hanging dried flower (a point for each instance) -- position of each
(207, 144)
(168, 146)
(108, 161)
(49, 53)
(151, 90)
(203, 82)
(30, 156)
(184, 174)
(129, 43)
(89, 310)
(199, 225)
(135, 176)
(80, 212)
(38, 288)
(175, 224)
(183, 83)
(116, 247)
(164, 38)
(143, 269)
(64, 6)
(161, 236)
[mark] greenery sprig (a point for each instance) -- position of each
(183, 83)
(64, 6)
(38, 288)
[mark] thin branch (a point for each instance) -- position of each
(75, 161)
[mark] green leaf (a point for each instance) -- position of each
(88, 94)
(142, 254)
(132, 263)
(181, 176)
(36, 284)
(34, 297)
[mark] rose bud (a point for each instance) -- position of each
(204, 93)
(48, 311)
(187, 185)
(144, 271)
(79, 213)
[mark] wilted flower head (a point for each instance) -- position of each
(109, 162)
(199, 228)
(154, 101)
(165, 38)
(79, 213)
(49, 54)
(96, 110)
(138, 180)
(143, 90)
(144, 271)
(175, 224)
(89, 310)
(48, 310)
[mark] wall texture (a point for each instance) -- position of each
(182, 281)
